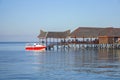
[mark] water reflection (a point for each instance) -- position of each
(100, 62)
(109, 54)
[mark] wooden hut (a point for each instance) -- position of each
(87, 32)
(104, 35)
(109, 36)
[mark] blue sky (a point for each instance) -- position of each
(21, 20)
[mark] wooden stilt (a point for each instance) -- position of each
(53, 43)
(57, 43)
(46, 43)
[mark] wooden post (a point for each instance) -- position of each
(46, 43)
(91, 41)
(79, 44)
(53, 43)
(42, 41)
(64, 43)
(75, 42)
(113, 42)
(83, 42)
(39, 40)
(83, 38)
(57, 43)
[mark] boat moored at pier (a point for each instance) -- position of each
(35, 46)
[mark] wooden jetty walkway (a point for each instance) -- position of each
(82, 46)
(82, 37)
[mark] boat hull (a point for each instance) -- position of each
(35, 48)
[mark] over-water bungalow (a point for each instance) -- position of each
(104, 35)
(109, 36)
(88, 33)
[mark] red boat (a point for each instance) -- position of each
(35, 47)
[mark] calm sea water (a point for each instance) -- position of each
(72, 64)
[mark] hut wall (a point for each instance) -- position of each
(105, 40)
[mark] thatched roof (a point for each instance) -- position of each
(88, 32)
(44, 34)
(80, 32)
(110, 32)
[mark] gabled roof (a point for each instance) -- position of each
(44, 34)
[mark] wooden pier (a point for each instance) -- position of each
(82, 37)
(82, 46)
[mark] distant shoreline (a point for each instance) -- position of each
(17, 42)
